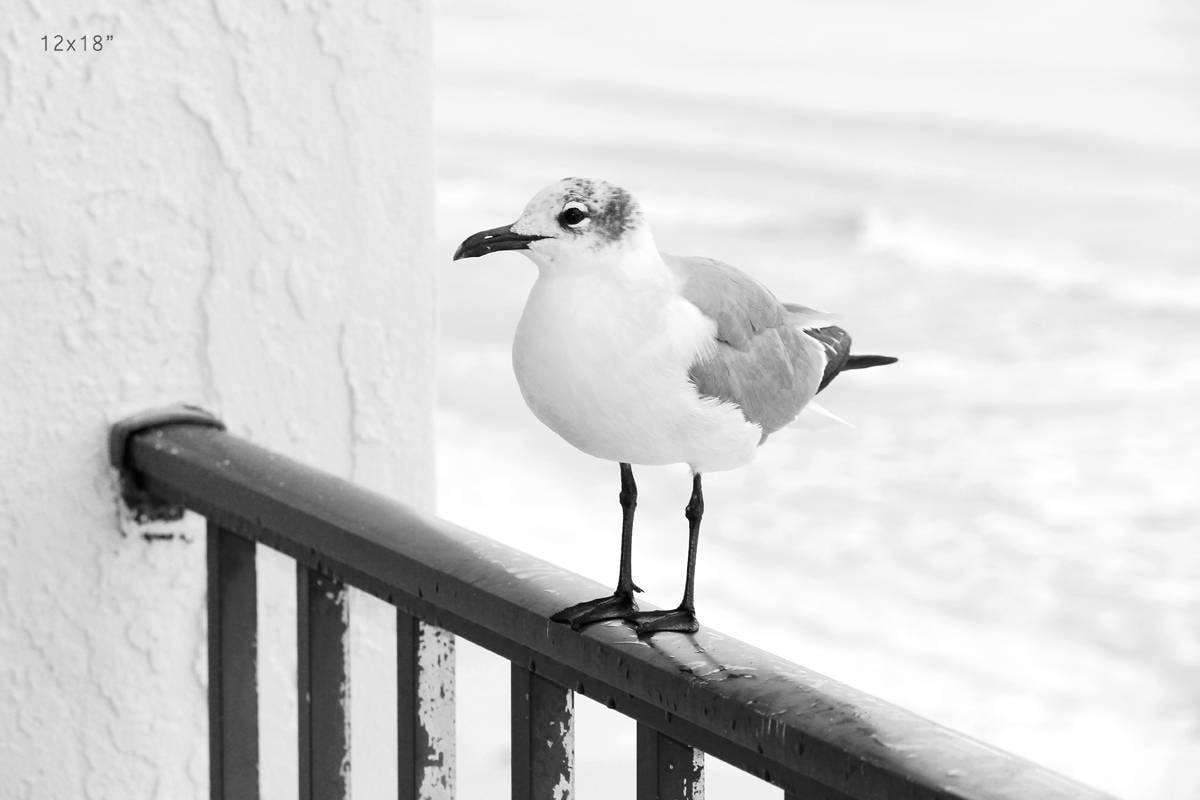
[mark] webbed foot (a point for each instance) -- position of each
(619, 605)
(680, 620)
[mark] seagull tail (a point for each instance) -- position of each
(862, 362)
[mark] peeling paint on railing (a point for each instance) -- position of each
(435, 712)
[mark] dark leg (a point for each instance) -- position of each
(621, 603)
(628, 498)
(683, 618)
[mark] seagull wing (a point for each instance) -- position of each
(763, 360)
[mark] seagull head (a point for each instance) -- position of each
(575, 221)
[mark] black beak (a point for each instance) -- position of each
(502, 238)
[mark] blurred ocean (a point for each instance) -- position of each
(1004, 194)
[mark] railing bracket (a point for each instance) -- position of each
(143, 506)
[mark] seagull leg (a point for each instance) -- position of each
(683, 618)
(621, 603)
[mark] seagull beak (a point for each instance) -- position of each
(502, 238)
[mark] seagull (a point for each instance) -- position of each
(640, 357)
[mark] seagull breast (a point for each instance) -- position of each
(606, 364)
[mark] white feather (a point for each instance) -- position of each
(604, 365)
(816, 409)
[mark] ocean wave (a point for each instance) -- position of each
(1052, 266)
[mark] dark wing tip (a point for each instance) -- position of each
(862, 362)
(836, 342)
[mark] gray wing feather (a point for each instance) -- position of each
(741, 306)
(763, 362)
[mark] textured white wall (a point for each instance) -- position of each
(229, 204)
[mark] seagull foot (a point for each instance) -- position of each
(620, 605)
(680, 620)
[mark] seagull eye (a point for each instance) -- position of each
(573, 215)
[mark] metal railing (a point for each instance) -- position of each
(690, 694)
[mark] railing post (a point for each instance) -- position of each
(666, 769)
(323, 686)
(425, 710)
(232, 667)
(543, 738)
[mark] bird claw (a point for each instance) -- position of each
(679, 620)
(619, 605)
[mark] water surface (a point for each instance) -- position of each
(1004, 194)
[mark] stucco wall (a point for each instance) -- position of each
(229, 204)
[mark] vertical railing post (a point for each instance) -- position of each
(232, 666)
(666, 769)
(424, 710)
(543, 738)
(323, 686)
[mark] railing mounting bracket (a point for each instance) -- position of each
(141, 503)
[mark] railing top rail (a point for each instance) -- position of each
(794, 727)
